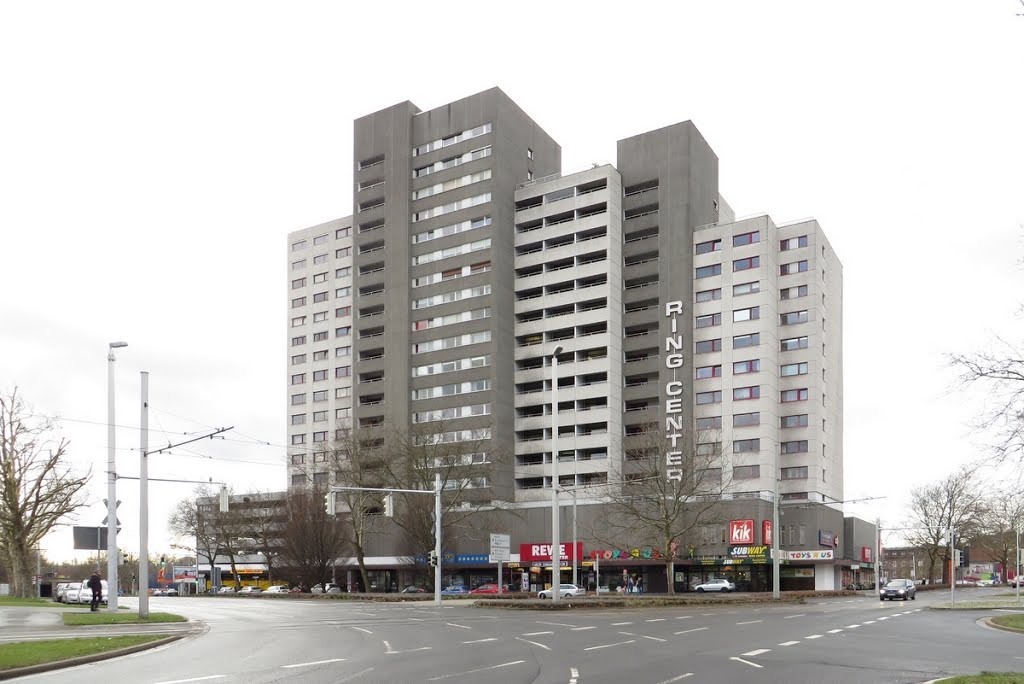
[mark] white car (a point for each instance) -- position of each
(250, 590)
(225, 589)
(564, 590)
(58, 591)
(720, 585)
(70, 592)
(277, 589)
(332, 588)
(84, 593)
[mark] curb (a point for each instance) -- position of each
(990, 622)
(84, 660)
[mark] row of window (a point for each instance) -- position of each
(320, 416)
(442, 209)
(452, 319)
(746, 446)
(451, 140)
(750, 366)
(451, 366)
(452, 273)
(343, 331)
(342, 272)
(448, 297)
(747, 264)
(451, 342)
(748, 239)
(747, 393)
(739, 315)
(451, 229)
(452, 184)
(452, 162)
(754, 287)
(464, 248)
(452, 436)
(452, 413)
(451, 389)
(340, 233)
(321, 395)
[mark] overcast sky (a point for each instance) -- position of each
(154, 157)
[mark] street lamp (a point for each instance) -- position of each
(111, 482)
(556, 546)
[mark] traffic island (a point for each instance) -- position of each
(986, 678)
(1007, 623)
(30, 657)
(102, 618)
(584, 602)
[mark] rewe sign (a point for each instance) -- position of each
(542, 552)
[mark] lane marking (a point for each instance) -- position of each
(747, 662)
(655, 620)
(194, 679)
(834, 610)
(412, 619)
(365, 631)
(480, 641)
(573, 672)
(359, 612)
(556, 624)
(684, 617)
(870, 622)
(357, 674)
(755, 652)
(620, 643)
(534, 643)
(619, 624)
(580, 629)
(537, 633)
(706, 614)
(315, 662)
(882, 618)
(479, 669)
(695, 629)
(452, 624)
(411, 650)
(835, 631)
(749, 622)
(814, 636)
(789, 643)
(643, 636)
(852, 626)
(790, 617)
(676, 679)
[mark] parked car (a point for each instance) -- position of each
(331, 588)
(277, 589)
(720, 585)
(454, 590)
(296, 590)
(414, 590)
(225, 589)
(251, 590)
(58, 591)
(902, 589)
(85, 593)
(486, 589)
(70, 594)
(564, 590)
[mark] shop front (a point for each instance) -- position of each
(536, 557)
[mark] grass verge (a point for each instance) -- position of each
(26, 653)
(633, 602)
(1011, 621)
(17, 602)
(988, 678)
(101, 618)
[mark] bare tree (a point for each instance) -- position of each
(261, 526)
(312, 539)
(955, 502)
(669, 492)
(218, 533)
(1001, 373)
(997, 536)
(38, 489)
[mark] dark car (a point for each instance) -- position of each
(414, 590)
(902, 589)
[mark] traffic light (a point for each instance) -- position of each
(432, 559)
(330, 503)
(965, 558)
(389, 505)
(223, 499)
(956, 558)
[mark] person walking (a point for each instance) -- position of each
(96, 585)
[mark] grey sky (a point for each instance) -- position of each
(153, 158)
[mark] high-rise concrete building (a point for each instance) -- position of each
(470, 258)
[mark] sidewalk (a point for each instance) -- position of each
(33, 624)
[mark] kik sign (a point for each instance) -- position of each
(741, 532)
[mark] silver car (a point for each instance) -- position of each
(720, 585)
(901, 589)
(564, 590)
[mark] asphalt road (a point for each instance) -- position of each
(828, 640)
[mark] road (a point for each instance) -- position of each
(832, 640)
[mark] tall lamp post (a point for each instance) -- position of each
(112, 583)
(556, 546)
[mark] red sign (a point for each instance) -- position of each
(542, 552)
(741, 532)
(766, 532)
(865, 554)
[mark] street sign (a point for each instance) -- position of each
(501, 548)
(501, 540)
(500, 555)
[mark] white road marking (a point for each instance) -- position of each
(537, 633)
(883, 618)
(695, 629)
(480, 641)
(620, 643)
(676, 679)
(411, 650)
(835, 631)
(573, 672)
(619, 624)
(479, 669)
(556, 624)
(642, 636)
(357, 674)
(412, 619)
(747, 662)
(852, 626)
(359, 612)
(789, 643)
(452, 624)
(194, 679)
(706, 614)
(814, 636)
(655, 620)
(580, 629)
(834, 610)
(365, 631)
(755, 652)
(790, 617)
(870, 622)
(534, 643)
(684, 617)
(749, 622)
(315, 662)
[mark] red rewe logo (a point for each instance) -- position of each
(741, 532)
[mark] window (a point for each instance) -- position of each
(447, 297)
(453, 229)
(298, 282)
(451, 413)
(298, 480)
(319, 416)
(298, 378)
(529, 153)
(709, 246)
(298, 459)
(298, 246)
(299, 358)
(741, 446)
(751, 472)
(709, 320)
(319, 437)
(298, 399)
(793, 292)
(296, 265)
(320, 336)
(451, 184)
(343, 331)
(746, 238)
(342, 392)
(342, 233)
(708, 271)
(298, 439)
(746, 288)
(319, 375)
(343, 371)
(713, 449)
(451, 140)
(751, 366)
(712, 423)
(298, 418)
(448, 208)
(320, 395)
(793, 267)
(705, 346)
(343, 311)
(797, 447)
(342, 292)
(709, 295)
(320, 239)
(340, 253)
(452, 389)
(799, 473)
(464, 248)
(320, 297)
(746, 419)
(793, 421)
(452, 342)
(343, 272)
(793, 243)
(744, 393)
(746, 264)
(451, 366)
(297, 341)
(793, 343)
(342, 351)
(451, 319)
(705, 372)
(741, 341)
(320, 317)
(794, 395)
(320, 278)
(320, 259)
(709, 397)
(298, 321)
(793, 318)
(342, 413)
(751, 314)
(793, 369)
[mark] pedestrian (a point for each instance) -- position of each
(96, 585)
(639, 585)
(630, 587)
